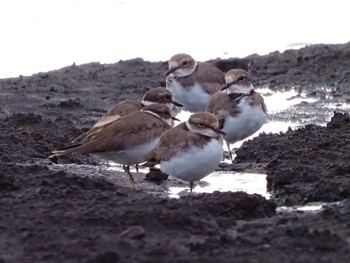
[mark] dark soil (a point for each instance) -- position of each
(311, 164)
(79, 211)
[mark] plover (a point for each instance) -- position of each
(192, 82)
(241, 110)
(155, 95)
(127, 140)
(190, 150)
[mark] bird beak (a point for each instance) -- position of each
(175, 119)
(218, 131)
(226, 86)
(177, 104)
(170, 71)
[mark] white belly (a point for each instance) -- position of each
(196, 163)
(193, 99)
(131, 156)
(245, 123)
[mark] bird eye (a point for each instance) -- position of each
(201, 125)
(241, 78)
(185, 63)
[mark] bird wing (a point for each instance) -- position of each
(222, 105)
(119, 135)
(211, 78)
(258, 100)
(208, 73)
(176, 139)
(124, 108)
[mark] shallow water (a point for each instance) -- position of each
(281, 106)
(251, 183)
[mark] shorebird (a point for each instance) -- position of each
(190, 150)
(192, 82)
(155, 95)
(127, 140)
(241, 110)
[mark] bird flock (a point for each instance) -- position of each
(224, 107)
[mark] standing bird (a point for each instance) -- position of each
(190, 150)
(127, 140)
(192, 82)
(155, 95)
(241, 110)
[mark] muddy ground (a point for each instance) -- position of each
(80, 211)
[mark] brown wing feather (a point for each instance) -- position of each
(209, 73)
(105, 120)
(211, 87)
(121, 134)
(258, 100)
(209, 76)
(124, 108)
(222, 105)
(176, 139)
(114, 113)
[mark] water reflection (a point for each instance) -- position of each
(250, 183)
(310, 207)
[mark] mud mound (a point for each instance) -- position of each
(60, 217)
(25, 137)
(306, 165)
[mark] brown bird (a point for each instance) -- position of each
(192, 82)
(241, 110)
(127, 140)
(155, 95)
(191, 150)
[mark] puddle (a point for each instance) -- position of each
(337, 106)
(224, 182)
(251, 183)
(282, 100)
(310, 207)
(277, 102)
(281, 104)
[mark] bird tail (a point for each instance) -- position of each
(64, 150)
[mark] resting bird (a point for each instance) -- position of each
(241, 110)
(190, 150)
(155, 95)
(192, 82)
(125, 141)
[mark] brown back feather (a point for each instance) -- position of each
(124, 108)
(176, 139)
(208, 75)
(121, 134)
(258, 100)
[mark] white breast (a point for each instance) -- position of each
(193, 99)
(130, 156)
(245, 123)
(195, 163)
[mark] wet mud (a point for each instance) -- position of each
(77, 210)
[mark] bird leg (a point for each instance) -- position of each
(191, 186)
(132, 181)
(137, 167)
(229, 151)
